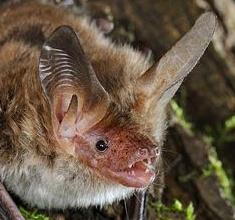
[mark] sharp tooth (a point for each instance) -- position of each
(130, 166)
(147, 170)
(132, 172)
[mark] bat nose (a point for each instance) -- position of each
(156, 150)
(147, 152)
(143, 151)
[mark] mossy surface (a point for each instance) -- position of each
(180, 117)
(213, 137)
(175, 211)
(33, 214)
(226, 182)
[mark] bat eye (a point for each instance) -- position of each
(101, 145)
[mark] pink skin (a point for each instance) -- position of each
(128, 159)
(124, 161)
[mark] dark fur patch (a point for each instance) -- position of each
(31, 35)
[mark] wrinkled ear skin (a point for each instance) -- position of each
(65, 72)
(65, 63)
(161, 81)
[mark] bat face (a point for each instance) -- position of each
(80, 106)
(120, 155)
(82, 124)
(109, 127)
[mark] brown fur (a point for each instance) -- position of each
(36, 163)
(22, 33)
(26, 124)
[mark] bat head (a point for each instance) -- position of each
(88, 124)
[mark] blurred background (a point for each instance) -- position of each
(199, 154)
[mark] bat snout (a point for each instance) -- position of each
(152, 151)
(146, 155)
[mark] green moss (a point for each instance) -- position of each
(177, 206)
(180, 116)
(217, 138)
(230, 123)
(225, 182)
(189, 212)
(32, 215)
(222, 134)
(176, 209)
(213, 137)
(216, 167)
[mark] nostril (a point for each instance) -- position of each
(143, 151)
(157, 151)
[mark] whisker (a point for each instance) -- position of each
(125, 206)
(161, 172)
(137, 197)
(166, 164)
(158, 184)
(169, 151)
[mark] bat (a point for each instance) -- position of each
(82, 119)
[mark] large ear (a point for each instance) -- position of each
(77, 99)
(161, 81)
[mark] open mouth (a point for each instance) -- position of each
(138, 175)
(138, 172)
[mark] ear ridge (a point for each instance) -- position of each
(65, 69)
(177, 63)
